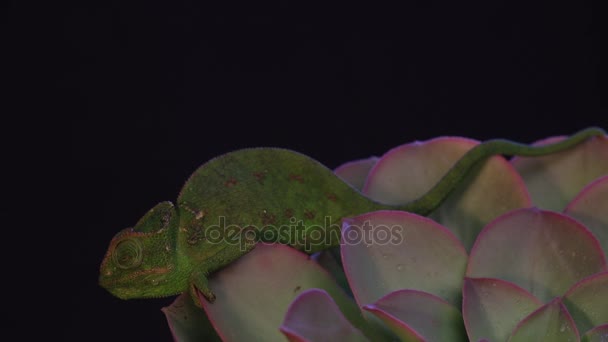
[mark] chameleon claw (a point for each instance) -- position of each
(209, 296)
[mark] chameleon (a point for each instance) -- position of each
(242, 197)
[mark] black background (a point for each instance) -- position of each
(152, 90)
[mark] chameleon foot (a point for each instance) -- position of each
(199, 289)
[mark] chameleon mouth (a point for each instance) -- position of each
(113, 286)
(136, 293)
(128, 292)
(133, 285)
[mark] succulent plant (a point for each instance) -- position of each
(517, 253)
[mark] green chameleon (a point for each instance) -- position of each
(259, 194)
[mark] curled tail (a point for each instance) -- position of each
(434, 197)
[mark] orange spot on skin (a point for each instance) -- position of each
(268, 218)
(332, 197)
(260, 176)
(289, 213)
(309, 214)
(231, 182)
(195, 235)
(297, 178)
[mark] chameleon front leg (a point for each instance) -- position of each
(199, 278)
(199, 287)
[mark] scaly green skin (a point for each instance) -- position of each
(261, 194)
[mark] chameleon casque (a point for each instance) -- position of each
(175, 248)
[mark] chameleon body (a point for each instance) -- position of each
(269, 194)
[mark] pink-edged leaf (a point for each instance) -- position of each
(188, 323)
(553, 180)
(591, 208)
(355, 172)
(419, 316)
(492, 307)
(409, 171)
(597, 334)
(551, 322)
(587, 301)
(544, 252)
(384, 251)
(314, 316)
(254, 292)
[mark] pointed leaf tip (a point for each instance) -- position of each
(314, 316)
(587, 301)
(551, 322)
(492, 308)
(419, 316)
(563, 250)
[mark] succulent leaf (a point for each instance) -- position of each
(407, 172)
(314, 316)
(355, 172)
(541, 251)
(553, 180)
(419, 316)
(420, 254)
(591, 208)
(551, 322)
(597, 334)
(188, 323)
(492, 308)
(254, 293)
(587, 301)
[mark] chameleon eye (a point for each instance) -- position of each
(127, 254)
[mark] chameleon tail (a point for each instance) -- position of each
(432, 199)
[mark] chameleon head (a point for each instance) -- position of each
(140, 261)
